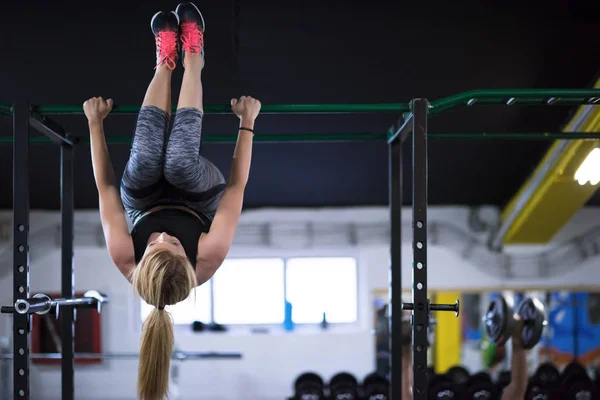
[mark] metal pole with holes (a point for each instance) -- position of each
(21, 323)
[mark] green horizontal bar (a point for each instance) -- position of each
(265, 109)
(489, 96)
(5, 109)
(520, 96)
(354, 137)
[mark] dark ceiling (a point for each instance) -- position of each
(310, 52)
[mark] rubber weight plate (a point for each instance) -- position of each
(376, 387)
(537, 391)
(547, 374)
(498, 320)
(442, 387)
(532, 313)
(309, 386)
(343, 386)
(458, 374)
(480, 386)
(581, 390)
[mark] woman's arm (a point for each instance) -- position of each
(112, 214)
(518, 364)
(214, 246)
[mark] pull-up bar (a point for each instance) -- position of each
(346, 137)
(486, 96)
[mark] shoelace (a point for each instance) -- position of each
(166, 43)
(192, 38)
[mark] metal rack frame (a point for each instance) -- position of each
(414, 119)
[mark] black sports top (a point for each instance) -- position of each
(183, 225)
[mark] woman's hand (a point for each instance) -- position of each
(96, 108)
(246, 107)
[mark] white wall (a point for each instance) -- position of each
(270, 361)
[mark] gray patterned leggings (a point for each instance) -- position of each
(171, 173)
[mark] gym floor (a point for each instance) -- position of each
(315, 231)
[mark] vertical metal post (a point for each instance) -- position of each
(395, 289)
(419, 285)
(21, 323)
(67, 273)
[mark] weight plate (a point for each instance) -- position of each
(375, 387)
(532, 313)
(546, 373)
(308, 377)
(458, 374)
(498, 320)
(442, 387)
(343, 386)
(582, 390)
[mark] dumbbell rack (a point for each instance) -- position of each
(415, 122)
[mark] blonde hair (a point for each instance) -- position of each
(161, 278)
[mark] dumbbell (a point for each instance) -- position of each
(543, 383)
(459, 375)
(480, 386)
(500, 322)
(441, 387)
(309, 386)
(343, 386)
(503, 380)
(576, 384)
(376, 387)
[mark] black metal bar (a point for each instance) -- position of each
(67, 273)
(404, 130)
(178, 355)
(395, 289)
(50, 129)
(21, 323)
(419, 285)
(435, 307)
(42, 303)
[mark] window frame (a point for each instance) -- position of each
(285, 255)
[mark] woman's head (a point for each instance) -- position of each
(164, 241)
(162, 277)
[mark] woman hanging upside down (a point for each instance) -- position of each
(184, 213)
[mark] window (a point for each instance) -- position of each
(254, 291)
(249, 291)
(322, 285)
(195, 308)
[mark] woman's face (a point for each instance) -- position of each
(165, 242)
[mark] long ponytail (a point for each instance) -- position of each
(161, 278)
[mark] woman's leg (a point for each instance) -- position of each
(143, 171)
(184, 167)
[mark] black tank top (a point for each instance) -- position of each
(183, 225)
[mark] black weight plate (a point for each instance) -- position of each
(498, 320)
(582, 390)
(458, 374)
(547, 374)
(533, 314)
(504, 378)
(442, 387)
(375, 387)
(573, 372)
(480, 386)
(308, 377)
(343, 385)
(536, 391)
